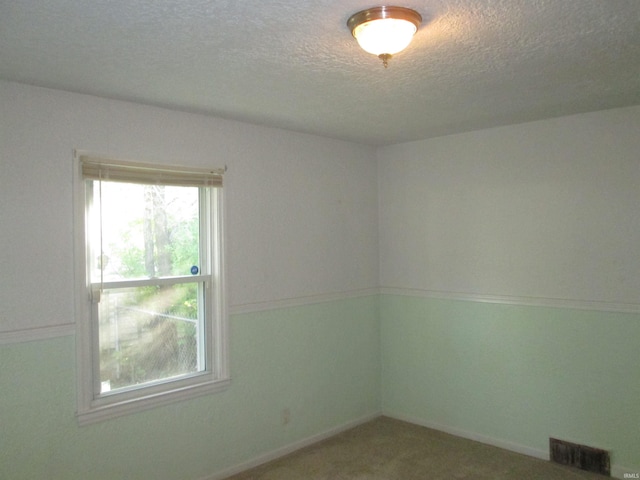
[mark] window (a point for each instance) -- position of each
(151, 318)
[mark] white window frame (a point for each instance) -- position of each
(93, 406)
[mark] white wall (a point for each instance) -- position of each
(548, 209)
(301, 210)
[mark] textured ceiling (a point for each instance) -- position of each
(293, 63)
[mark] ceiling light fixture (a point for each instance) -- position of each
(384, 31)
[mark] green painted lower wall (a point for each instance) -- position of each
(321, 361)
(517, 374)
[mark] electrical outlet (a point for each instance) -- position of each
(286, 416)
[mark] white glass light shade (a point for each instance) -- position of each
(384, 31)
(386, 36)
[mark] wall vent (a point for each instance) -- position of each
(580, 456)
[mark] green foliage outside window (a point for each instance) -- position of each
(150, 333)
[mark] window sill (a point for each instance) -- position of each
(128, 406)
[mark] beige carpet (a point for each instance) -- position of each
(388, 449)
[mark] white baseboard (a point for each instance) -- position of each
(287, 449)
(617, 471)
(496, 442)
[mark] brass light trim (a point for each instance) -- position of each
(379, 13)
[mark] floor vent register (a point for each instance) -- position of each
(580, 456)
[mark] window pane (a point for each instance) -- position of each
(144, 231)
(148, 334)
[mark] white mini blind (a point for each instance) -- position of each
(114, 170)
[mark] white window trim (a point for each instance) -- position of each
(91, 409)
